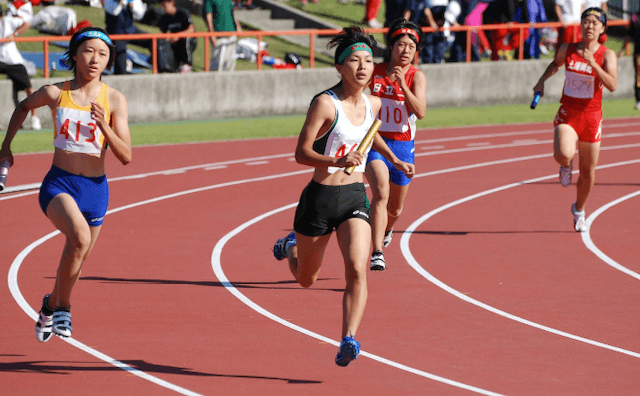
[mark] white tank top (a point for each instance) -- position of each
(344, 137)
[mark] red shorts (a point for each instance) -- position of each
(587, 124)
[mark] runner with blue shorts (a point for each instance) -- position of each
(402, 89)
(88, 117)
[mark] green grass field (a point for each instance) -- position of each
(199, 131)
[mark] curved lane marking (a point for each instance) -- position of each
(586, 236)
(217, 269)
(406, 251)
(12, 280)
(15, 290)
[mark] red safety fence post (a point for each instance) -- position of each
(312, 50)
(468, 32)
(45, 47)
(521, 44)
(154, 55)
(259, 57)
(207, 53)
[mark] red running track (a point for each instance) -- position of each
(488, 291)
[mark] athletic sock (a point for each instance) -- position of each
(45, 307)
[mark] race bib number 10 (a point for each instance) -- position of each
(394, 117)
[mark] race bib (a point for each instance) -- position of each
(580, 86)
(76, 131)
(394, 117)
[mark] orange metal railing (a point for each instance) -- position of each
(312, 33)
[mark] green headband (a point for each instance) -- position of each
(353, 48)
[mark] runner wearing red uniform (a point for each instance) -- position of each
(402, 89)
(589, 66)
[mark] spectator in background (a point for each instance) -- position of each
(430, 13)
(499, 11)
(219, 17)
(569, 12)
(535, 13)
(53, 19)
(12, 25)
(594, 3)
(178, 20)
(22, 9)
(633, 34)
(119, 17)
(456, 14)
(371, 14)
(244, 4)
(394, 9)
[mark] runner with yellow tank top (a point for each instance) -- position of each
(88, 117)
(74, 129)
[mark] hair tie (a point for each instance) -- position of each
(408, 31)
(93, 34)
(353, 48)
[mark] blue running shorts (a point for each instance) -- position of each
(404, 150)
(90, 193)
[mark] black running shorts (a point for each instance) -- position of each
(323, 208)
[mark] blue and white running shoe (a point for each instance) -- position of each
(282, 246)
(349, 350)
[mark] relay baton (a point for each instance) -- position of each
(536, 99)
(365, 143)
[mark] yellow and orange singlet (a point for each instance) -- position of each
(74, 129)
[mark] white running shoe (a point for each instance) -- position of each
(35, 123)
(637, 105)
(388, 236)
(375, 24)
(579, 221)
(62, 324)
(44, 323)
(565, 175)
(377, 261)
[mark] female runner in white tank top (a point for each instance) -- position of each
(336, 122)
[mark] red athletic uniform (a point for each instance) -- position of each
(582, 96)
(398, 123)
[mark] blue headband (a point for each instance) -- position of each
(353, 48)
(94, 34)
(597, 12)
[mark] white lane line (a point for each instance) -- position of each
(217, 165)
(586, 236)
(257, 163)
(183, 169)
(217, 269)
(12, 279)
(509, 145)
(406, 251)
(477, 144)
(13, 271)
(519, 133)
(19, 298)
(17, 295)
